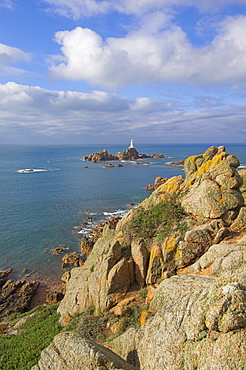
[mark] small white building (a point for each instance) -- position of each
(131, 144)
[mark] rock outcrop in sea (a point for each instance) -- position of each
(186, 246)
(130, 154)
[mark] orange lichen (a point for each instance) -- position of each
(143, 318)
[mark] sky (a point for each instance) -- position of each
(107, 71)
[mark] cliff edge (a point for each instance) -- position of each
(186, 246)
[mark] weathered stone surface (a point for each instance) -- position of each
(140, 255)
(213, 184)
(53, 297)
(240, 221)
(69, 351)
(156, 267)
(222, 258)
(72, 259)
(242, 173)
(176, 286)
(158, 181)
(16, 296)
(4, 276)
(195, 243)
(194, 329)
(122, 308)
(89, 284)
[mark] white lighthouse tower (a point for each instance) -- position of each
(131, 144)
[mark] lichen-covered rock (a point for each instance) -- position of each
(156, 267)
(240, 222)
(212, 184)
(197, 323)
(69, 351)
(223, 258)
(170, 187)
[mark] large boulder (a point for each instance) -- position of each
(200, 324)
(212, 185)
(69, 351)
(102, 281)
(223, 258)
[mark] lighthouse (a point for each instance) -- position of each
(131, 144)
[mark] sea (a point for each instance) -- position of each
(49, 206)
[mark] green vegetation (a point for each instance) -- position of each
(158, 221)
(89, 326)
(23, 350)
(143, 292)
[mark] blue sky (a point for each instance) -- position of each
(89, 71)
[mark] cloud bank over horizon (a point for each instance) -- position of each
(64, 114)
(160, 70)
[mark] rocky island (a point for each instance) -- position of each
(165, 286)
(130, 154)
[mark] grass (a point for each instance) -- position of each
(23, 351)
(158, 221)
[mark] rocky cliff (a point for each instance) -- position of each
(186, 246)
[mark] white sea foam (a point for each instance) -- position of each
(242, 166)
(30, 170)
(115, 213)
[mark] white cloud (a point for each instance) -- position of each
(143, 57)
(30, 112)
(10, 56)
(81, 8)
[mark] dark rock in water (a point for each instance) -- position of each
(158, 156)
(58, 250)
(100, 157)
(179, 163)
(108, 165)
(16, 296)
(4, 276)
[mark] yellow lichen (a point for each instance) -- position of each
(177, 254)
(170, 244)
(170, 186)
(210, 164)
(191, 160)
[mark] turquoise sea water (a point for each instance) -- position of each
(45, 208)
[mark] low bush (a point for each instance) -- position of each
(158, 221)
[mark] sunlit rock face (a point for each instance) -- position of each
(212, 185)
